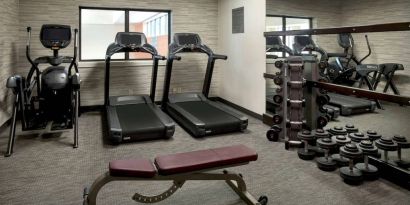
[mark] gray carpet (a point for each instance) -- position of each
(46, 170)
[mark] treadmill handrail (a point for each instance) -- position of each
(117, 48)
(200, 48)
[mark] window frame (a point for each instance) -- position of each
(284, 17)
(126, 29)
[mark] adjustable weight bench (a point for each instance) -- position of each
(179, 168)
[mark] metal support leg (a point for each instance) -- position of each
(76, 105)
(234, 180)
(370, 86)
(243, 193)
(389, 82)
(12, 135)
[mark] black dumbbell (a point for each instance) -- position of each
(373, 136)
(278, 64)
(386, 144)
(278, 99)
(357, 137)
(350, 174)
(369, 171)
(277, 119)
(322, 100)
(326, 163)
(278, 80)
(350, 128)
(322, 121)
(273, 133)
(402, 143)
(304, 153)
(337, 130)
(319, 134)
(340, 140)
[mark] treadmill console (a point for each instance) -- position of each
(303, 42)
(188, 42)
(130, 39)
(273, 41)
(55, 36)
(187, 39)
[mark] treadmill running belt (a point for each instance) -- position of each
(138, 119)
(213, 117)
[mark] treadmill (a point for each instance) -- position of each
(134, 118)
(194, 111)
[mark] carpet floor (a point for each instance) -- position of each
(47, 170)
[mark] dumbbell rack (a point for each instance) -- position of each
(315, 113)
(298, 103)
(288, 120)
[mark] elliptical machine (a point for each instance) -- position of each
(48, 97)
(343, 69)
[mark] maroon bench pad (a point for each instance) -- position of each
(132, 168)
(204, 159)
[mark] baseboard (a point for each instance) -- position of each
(267, 119)
(91, 108)
(237, 107)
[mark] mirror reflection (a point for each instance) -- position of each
(372, 61)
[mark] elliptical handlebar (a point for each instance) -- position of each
(28, 46)
(368, 47)
(75, 43)
(217, 56)
(159, 57)
(74, 60)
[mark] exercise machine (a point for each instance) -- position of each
(348, 105)
(342, 69)
(194, 111)
(47, 98)
(134, 118)
(180, 168)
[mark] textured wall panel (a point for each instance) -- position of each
(8, 53)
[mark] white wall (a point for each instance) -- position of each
(241, 76)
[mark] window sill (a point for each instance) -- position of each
(135, 63)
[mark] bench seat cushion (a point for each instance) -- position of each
(132, 168)
(204, 159)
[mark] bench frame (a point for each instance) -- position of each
(234, 180)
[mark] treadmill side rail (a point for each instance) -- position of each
(231, 111)
(195, 126)
(114, 126)
(165, 120)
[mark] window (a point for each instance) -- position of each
(98, 27)
(285, 23)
